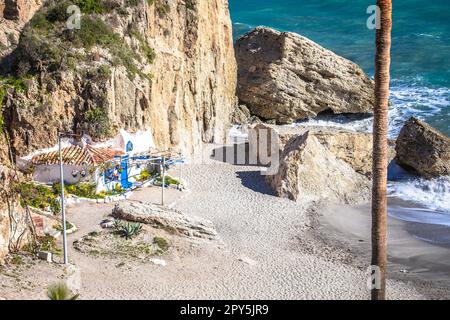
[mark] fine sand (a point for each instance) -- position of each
(411, 258)
(270, 248)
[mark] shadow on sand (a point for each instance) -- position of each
(238, 155)
(255, 181)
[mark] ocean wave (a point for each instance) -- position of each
(432, 194)
(415, 100)
(407, 100)
(345, 121)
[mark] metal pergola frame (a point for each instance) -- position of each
(162, 159)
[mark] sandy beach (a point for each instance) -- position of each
(270, 248)
(411, 257)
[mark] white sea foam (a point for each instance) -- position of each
(339, 121)
(407, 101)
(419, 101)
(433, 194)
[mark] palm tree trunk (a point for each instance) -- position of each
(380, 146)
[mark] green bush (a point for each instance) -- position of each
(162, 243)
(47, 44)
(60, 228)
(91, 6)
(84, 190)
(60, 291)
(18, 84)
(99, 121)
(131, 3)
(148, 51)
(145, 175)
(168, 181)
(57, 13)
(39, 196)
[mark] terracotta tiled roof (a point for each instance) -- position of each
(76, 155)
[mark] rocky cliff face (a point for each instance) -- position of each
(167, 66)
(164, 66)
(13, 16)
(13, 220)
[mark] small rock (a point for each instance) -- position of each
(53, 233)
(158, 262)
(45, 255)
(248, 261)
(107, 225)
(404, 271)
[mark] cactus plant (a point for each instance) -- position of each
(128, 230)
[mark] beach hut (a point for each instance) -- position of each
(80, 164)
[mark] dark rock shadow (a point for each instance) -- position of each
(255, 181)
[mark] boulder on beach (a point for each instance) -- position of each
(424, 149)
(310, 171)
(165, 218)
(285, 77)
(354, 148)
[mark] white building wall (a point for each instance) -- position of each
(51, 174)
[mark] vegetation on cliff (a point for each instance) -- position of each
(47, 45)
(48, 51)
(17, 84)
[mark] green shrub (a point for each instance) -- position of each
(48, 243)
(18, 84)
(131, 3)
(60, 291)
(2, 122)
(147, 51)
(57, 13)
(145, 175)
(168, 181)
(99, 121)
(39, 196)
(162, 243)
(47, 44)
(60, 228)
(163, 9)
(91, 6)
(84, 190)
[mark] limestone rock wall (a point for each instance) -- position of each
(187, 101)
(13, 16)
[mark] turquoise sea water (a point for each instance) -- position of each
(420, 65)
(420, 45)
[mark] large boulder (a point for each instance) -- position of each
(354, 148)
(165, 218)
(286, 77)
(310, 171)
(424, 149)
